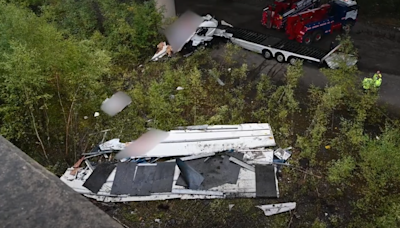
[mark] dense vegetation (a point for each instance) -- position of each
(61, 60)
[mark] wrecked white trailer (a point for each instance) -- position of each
(197, 162)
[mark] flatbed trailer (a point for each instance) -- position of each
(282, 50)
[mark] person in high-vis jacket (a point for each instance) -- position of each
(377, 79)
(367, 83)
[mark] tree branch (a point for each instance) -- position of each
(68, 121)
(35, 127)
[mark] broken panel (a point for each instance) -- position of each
(123, 181)
(163, 177)
(192, 178)
(265, 181)
(99, 177)
(216, 170)
(143, 182)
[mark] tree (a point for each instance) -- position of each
(48, 83)
(130, 31)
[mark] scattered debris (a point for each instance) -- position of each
(327, 147)
(230, 206)
(193, 162)
(243, 164)
(192, 178)
(283, 154)
(162, 50)
(220, 82)
(273, 209)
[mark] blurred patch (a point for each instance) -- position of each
(143, 144)
(116, 103)
(182, 30)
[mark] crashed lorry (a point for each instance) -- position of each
(270, 47)
(194, 162)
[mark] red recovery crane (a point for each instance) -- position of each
(275, 16)
(311, 25)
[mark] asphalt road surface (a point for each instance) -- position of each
(378, 48)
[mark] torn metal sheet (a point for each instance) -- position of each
(195, 140)
(193, 157)
(192, 178)
(123, 181)
(273, 209)
(241, 163)
(217, 170)
(99, 177)
(266, 182)
(210, 139)
(143, 181)
(196, 192)
(163, 177)
(262, 157)
(204, 146)
(113, 144)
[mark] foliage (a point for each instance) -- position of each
(343, 94)
(57, 68)
(41, 85)
(279, 106)
(318, 224)
(379, 162)
(341, 170)
(128, 30)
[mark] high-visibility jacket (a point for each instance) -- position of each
(367, 83)
(377, 76)
(378, 82)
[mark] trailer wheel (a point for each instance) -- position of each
(267, 54)
(307, 38)
(280, 58)
(318, 35)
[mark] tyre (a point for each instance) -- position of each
(307, 39)
(347, 26)
(318, 35)
(293, 60)
(267, 54)
(280, 58)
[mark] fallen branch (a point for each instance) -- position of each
(120, 222)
